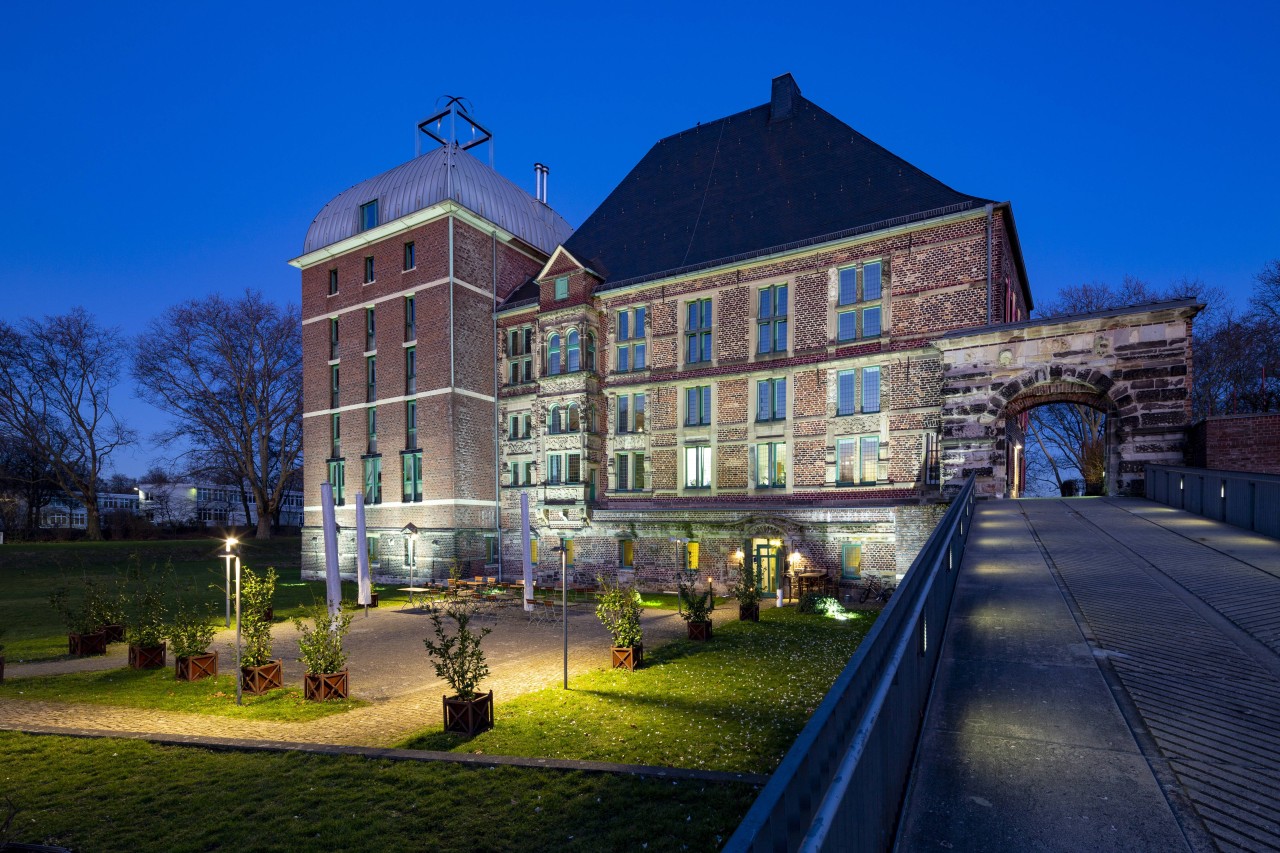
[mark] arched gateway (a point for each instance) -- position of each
(1133, 364)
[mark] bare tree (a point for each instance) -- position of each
(56, 378)
(27, 483)
(230, 372)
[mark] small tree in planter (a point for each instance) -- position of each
(619, 612)
(323, 658)
(259, 672)
(189, 635)
(83, 636)
(145, 622)
(747, 590)
(695, 609)
(109, 613)
(459, 660)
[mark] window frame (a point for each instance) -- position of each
(411, 476)
(371, 378)
(774, 319)
(411, 424)
(776, 386)
(554, 359)
(333, 281)
(410, 256)
(411, 370)
(857, 309)
(863, 379)
(367, 221)
(560, 290)
(632, 339)
(699, 320)
(337, 467)
(372, 464)
(703, 411)
(776, 452)
(410, 318)
(702, 456)
(370, 275)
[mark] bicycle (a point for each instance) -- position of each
(875, 589)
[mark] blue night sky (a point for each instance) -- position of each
(155, 152)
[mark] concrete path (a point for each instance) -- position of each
(1110, 681)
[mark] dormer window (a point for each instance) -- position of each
(369, 215)
(562, 288)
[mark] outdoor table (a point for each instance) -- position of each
(811, 582)
(422, 592)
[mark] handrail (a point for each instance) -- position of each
(862, 737)
(1251, 501)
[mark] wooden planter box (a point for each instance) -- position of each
(115, 633)
(749, 612)
(627, 657)
(468, 716)
(83, 645)
(196, 667)
(146, 657)
(257, 680)
(373, 599)
(700, 630)
(322, 686)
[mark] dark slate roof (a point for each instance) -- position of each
(783, 173)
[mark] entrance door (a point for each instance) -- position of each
(765, 553)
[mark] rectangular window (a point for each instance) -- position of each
(373, 479)
(513, 424)
(637, 471)
(369, 215)
(622, 465)
(850, 561)
(870, 389)
(771, 324)
(771, 465)
(573, 468)
(624, 413)
(333, 337)
(411, 481)
(861, 320)
(368, 270)
(870, 456)
(871, 282)
(631, 340)
(371, 429)
(691, 550)
(932, 465)
(637, 412)
(697, 467)
(520, 355)
(771, 399)
(698, 331)
(335, 436)
(411, 424)
(371, 378)
(562, 287)
(846, 461)
(409, 260)
(333, 282)
(337, 479)
(846, 392)
(410, 370)
(627, 553)
(630, 413)
(871, 322)
(848, 286)
(410, 318)
(847, 326)
(370, 331)
(333, 386)
(697, 400)
(555, 469)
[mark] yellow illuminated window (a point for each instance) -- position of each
(628, 551)
(692, 550)
(533, 550)
(568, 552)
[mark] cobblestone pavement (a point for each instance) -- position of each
(389, 668)
(1178, 615)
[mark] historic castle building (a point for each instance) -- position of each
(730, 361)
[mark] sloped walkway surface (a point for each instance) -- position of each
(1109, 681)
(389, 668)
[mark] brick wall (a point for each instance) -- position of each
(1249, 443)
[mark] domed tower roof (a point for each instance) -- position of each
(443, 173)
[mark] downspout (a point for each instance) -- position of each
(451, 352)
(497, 422)
(990, 296)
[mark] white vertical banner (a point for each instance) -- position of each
(364, 596)
(361, 557)
(525, 549)
(330, 524)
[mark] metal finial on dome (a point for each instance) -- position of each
(446, 132)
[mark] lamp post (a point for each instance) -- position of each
(232, 544)
(564, 605)
(227, 558)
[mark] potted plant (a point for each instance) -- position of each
(145, 626)
(108, 613)
(695, 609)
(747, 590)
(459, 660)
(619, 612)
(83, 636)
(322, 655)
(259, 672)
(190, 634)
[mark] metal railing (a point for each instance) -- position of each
(840, 786)
(1251, 501)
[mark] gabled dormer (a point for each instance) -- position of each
(565, 282)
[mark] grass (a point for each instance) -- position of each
(660, 600)
(736, 703)
(109, 794)
(157, 689)
(30, 571)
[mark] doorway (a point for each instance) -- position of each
(765, 555)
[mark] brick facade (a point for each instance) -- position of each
(1249, 443)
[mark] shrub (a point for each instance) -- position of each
(320, 643)
(191, 631)
(695, 606)
(745, 587)
(816, 602)
(256, 593)
(147, 611)
(79, 618)
(619, 612)
(458, 658)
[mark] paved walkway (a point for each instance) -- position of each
(1110, 680)
(389, 668)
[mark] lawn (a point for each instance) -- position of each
(30, 571)
(735, 703)
(157, 689)
(111, 794)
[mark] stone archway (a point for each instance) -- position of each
(1037, 388)
(1132, 363)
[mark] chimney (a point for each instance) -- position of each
(782, 103)
(540, 182)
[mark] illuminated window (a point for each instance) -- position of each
(373, 479)
(411, 466)
(632, 333)
(697, 405)
(851, 560)
(697, 467)
(770, 461)
(771, 323)
(860, 316)
(771, 399)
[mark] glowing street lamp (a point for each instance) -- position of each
(232, 544)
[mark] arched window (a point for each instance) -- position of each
(591, 351)
(556, 420)
(553, 356)
(572, 357)
(575, 421)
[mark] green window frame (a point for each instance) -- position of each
(769, 461)
(411, 476)
(771, 320)
(372, 480)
